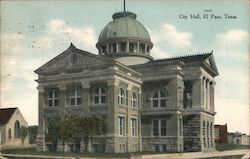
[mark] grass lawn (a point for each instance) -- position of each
(224, 147)
(32, 151)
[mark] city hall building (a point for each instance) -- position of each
(149, 105)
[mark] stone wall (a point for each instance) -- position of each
(191, 133)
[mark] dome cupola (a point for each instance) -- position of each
(125, 39)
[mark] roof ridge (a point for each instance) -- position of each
(182, 56)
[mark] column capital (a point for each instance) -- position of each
(213, 83)
(113, 82)
(129, 87)
(85, 84)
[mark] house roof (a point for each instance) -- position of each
(5, 114)
(187, 58)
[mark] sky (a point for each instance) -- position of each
(34, 32)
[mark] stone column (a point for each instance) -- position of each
(180, 91)
(208, 94)
(138, 45)
(205, 92)
(116, 44)
(85, 97)
(128, 122)
(112, 117)
(197, 92)
(139, 120)
(41, 120)
(212, 84)
(108, 51)
(145, 48)
(179, 132)
(127, 49)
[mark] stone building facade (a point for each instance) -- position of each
(149, 105)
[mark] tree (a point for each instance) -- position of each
(23, 133)
(91, 127)
(53, 132)
(32, 132)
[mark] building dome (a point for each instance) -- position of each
(126, 39)
(124, 25)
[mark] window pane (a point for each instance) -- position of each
(50, 103)
(79, 101)
(103, 99)
(163, 103)
(96, 90)
(163, 127)
(56, 102)
(155, 103)
(72, 101)
(102, 91)
(155, 94)
(134, 104)
(50, 94)
(96, 100)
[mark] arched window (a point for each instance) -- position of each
(9, 133)
(75, 97)
(159, 99)
(121, 97)
(99, 95)
(133, 100)
(53, 98)
(17, 129)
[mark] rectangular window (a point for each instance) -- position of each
(121, 125)
(163, 127)
(159, 127)
(133, 127)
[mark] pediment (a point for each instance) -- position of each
(71, 58)
(210, 63)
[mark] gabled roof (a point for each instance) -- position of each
(5, 114)
(206, 60)
(187, 58)
(60, 62)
